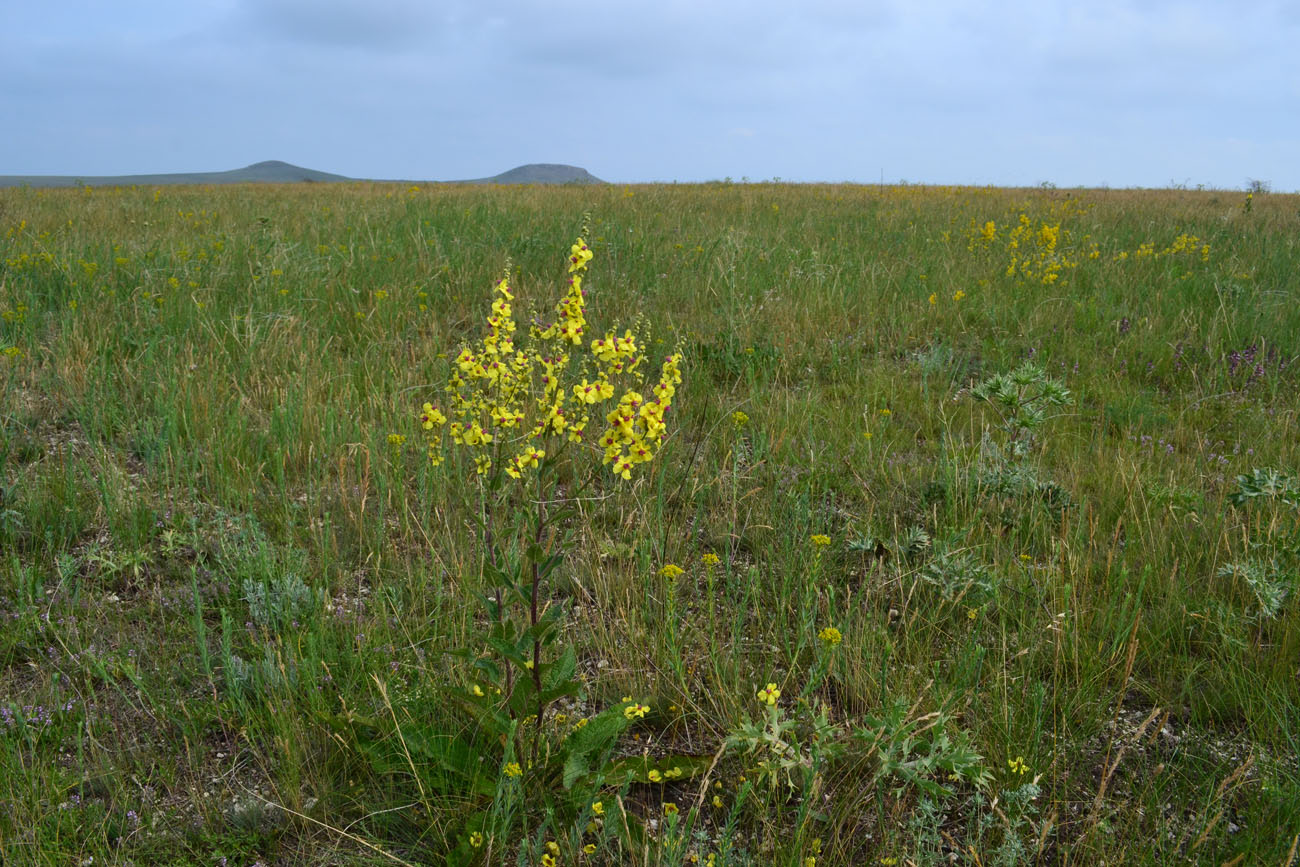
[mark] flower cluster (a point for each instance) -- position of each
(513, 401)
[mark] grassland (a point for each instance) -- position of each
(230, 590)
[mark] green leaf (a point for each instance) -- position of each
(637, 768)
(586, 745)
(562, 669)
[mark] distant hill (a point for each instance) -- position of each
(541, 173)
(269, 172)
(277, 172)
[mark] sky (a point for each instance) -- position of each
(1004, 92)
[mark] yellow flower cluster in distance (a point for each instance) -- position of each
(671, 571)
(830, 636)
(515, 400)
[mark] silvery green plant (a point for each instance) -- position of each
(1023, 400)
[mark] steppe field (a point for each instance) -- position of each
(811, 525)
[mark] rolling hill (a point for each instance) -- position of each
(277, 172)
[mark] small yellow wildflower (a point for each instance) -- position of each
(830, 636)
(396, 440)
(972, 613)
(769, 694)
(552, 847)
(655, 776)
(476, 690)
(476, 839)
(710, 559)
(430, 416)
(739, 419)
(589, 849)
(671, 571)
(934, 298)
(670, 809)
(820, 540)
(598, 808)
(717, 801)
(635, 711)
(512, 769)
(1017, 765)
(548, 860)
(958, 295)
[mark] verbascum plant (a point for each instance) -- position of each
(520, 406)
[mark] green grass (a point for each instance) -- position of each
(194, 412)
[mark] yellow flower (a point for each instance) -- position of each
(717, 801)
(820, 540)
(739, 419)
(476, 690)
(635, 711)
(671, 571)
(769, 694)
(830, 636)
(476, 839)
(512, 769)
(552, 847)
(670, 809)
(598, 808)
(396, 440)
(589, 849)
(579, 256)
(958, 295)
(548, 860)
(1017, 765)
(934, 297)
(710, 559)
(655, 776)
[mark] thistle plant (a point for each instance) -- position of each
(519, 417)
(1022, 400)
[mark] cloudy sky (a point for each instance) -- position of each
(1008, 92)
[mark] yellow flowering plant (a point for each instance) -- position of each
(533, 415)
